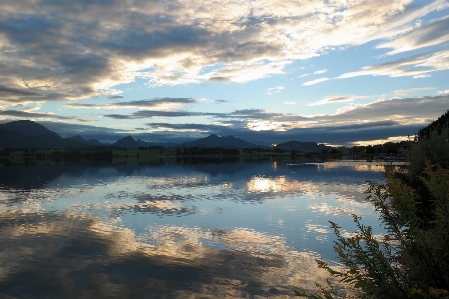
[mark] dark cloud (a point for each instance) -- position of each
(154, 103)
(4, 90)
(246, 114)
(430, 34)
(415, 65)
(396, 117)
(405, 111)
(220, 79)
(217, 129)
(155, 43)
(27, 115)
(77, 48)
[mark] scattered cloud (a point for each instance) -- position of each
(157, 103)
(156, 113)
(320, 71)
(34, 115)
(443, 92)
(273, 90)
(406, 111)
(50, 53)
(289, 103)
(421, 76)
(416, 65)
(431, 34)
(404, 92)
(315, 81)
(361, 123)
(336, 99)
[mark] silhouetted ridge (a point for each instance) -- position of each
(224, 142)
(92, 142)
(127, 142)
(28, 134)
(438, 125)
(28, 128)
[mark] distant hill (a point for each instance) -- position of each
(147, 144)
(224, 142)
(92, 142)
(302, 146)
(127, 142)
(28, 134)
(27, 128)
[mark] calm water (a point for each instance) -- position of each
(245, 230)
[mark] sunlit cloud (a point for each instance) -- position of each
(404, 92)
(164, 104)
(428, 35)
(407, 111)
(316, 81)
(382, 141)
(416, 65)
(28, 114)
(336, 99)
(443, 92)
(421, 76)
(184, 42)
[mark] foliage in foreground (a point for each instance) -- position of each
(412, 259)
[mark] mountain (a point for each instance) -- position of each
(147, 144)
(127, 142)
(302, 146)
(224, 142)
(27, 128)
(92, 142)
(28, 134)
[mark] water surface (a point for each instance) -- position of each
(245, 230)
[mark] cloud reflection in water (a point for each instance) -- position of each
(67, 256)
(252, 230)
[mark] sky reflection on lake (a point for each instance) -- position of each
(174, 231)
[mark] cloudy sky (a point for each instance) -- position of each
(268, 71)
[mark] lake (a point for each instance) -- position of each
(175, 230)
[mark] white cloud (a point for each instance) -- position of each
(315, 81)
(289, 103)
(177, 42)
(155, 104)
(404, 111)
(443, 92)
(417, 65)
(274, 90)
(336, 99)
(431, 34)
(404, 92)
(421, 76)
(321, 71)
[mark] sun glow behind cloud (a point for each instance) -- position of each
(125, 56)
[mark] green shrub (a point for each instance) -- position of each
(412, 260)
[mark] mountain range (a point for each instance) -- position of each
(29, 134)
(224, 142)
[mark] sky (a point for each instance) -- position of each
(340, 72)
